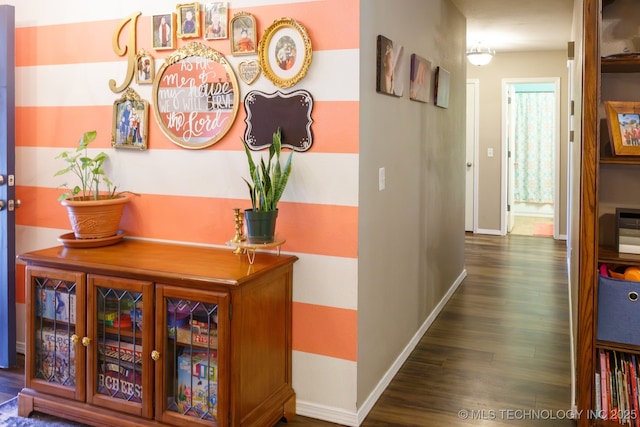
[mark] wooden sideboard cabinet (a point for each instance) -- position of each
(143, 333)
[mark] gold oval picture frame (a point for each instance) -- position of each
(285, 52)
(196, 96)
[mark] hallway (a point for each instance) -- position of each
(498, 354)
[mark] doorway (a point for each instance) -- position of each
(531, 110)
(471, 189)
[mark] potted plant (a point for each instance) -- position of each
(268, 181)
(93, 213)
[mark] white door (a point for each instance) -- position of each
(471, 161)
(511, 165)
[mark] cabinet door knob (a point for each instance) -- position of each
(86, 341)
(155, 355)
(74, 339)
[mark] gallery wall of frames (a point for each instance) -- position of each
(196, 93)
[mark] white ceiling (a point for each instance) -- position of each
(518, 25)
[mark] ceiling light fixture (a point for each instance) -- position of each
(480, 55)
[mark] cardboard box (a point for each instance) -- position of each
(196, 335)
(121, 350)
(198, 384)
(55, 358)
(52, 304)
(119, 379)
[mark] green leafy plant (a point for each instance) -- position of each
(88, 170)
(268, 180)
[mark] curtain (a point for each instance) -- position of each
(533, 146)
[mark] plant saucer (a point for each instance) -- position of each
(69, 240)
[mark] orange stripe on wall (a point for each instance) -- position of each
(20, 286)
(60, 44)
(333, 127)
(324, 330)
(308, 228)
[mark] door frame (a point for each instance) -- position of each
(472, 144)
(506, 82)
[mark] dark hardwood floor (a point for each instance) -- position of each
(497, 355)
(12, 380)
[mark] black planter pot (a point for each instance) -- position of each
(261, 226)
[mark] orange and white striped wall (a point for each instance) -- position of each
(64, 61)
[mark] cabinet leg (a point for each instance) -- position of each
(290, 408)
(25, 405)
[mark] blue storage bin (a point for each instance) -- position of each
(618, 311)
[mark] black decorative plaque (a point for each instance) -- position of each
(291, 112)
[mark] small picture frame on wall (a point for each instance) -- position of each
(130, 121)
(188, 25)
(389, 69)
(419, 79)
(443, 81)
(285, 52)
(216, 20)
(623, 120)
(144, 67)
(163, 35)
(242, 32)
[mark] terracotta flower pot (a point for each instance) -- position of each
(95, 219)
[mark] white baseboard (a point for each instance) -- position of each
(487, 231)
(354, 419)
(327, 413)
(21, 347)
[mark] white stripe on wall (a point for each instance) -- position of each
(201, 173)
(332, 381)
(326, 280)
(88, 83)
(37, 12)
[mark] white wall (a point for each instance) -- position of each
(411, 235)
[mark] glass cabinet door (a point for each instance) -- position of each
(118, 312)
(192, 371)
(55, 325)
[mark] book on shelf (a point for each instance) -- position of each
(617, 387)
(604, 385)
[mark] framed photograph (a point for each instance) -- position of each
(419, 79)
(389, 67)
(216, 20)
(242, 32)
(144, 67)
(188, 25)
(163, 34)
(285, 52)
(443, 81)
(623, 119)
(130, 121)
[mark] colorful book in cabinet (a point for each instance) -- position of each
(55, 358)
